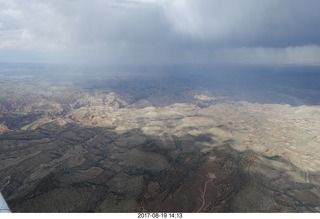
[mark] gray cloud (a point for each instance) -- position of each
(271, 23)
(163, 31)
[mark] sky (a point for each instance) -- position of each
(155, 32)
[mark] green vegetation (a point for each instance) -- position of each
(28, 127)
(20, 113)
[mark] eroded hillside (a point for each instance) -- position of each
(154, 147)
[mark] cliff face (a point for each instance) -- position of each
(71, 149)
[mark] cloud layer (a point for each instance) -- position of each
(160, 31)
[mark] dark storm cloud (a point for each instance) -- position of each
(162, 31)
(271, 23)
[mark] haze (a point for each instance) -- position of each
(160, 106)
(141, 32)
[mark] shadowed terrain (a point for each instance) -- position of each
(158, 143)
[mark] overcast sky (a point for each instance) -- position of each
(146, 32)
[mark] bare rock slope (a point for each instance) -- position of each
(69, 149)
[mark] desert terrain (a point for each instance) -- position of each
(157, 143)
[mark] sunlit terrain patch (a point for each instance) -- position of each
(156, 147)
